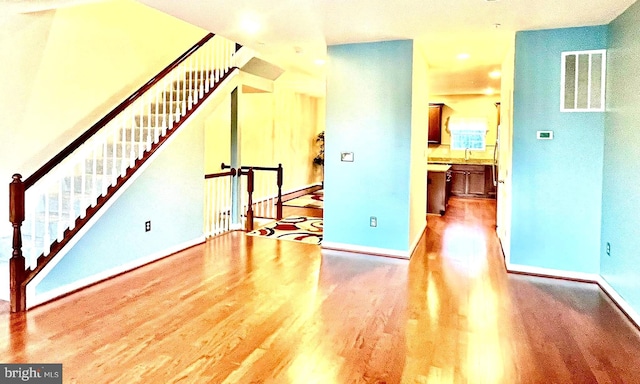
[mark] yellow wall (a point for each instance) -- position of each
(466, 106)
(419, 124)
(275, 127)
(62, 70)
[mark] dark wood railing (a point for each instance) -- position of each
(249, 171)
(55, 160)
(20, 276)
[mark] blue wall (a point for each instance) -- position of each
(369, 89)
(557, 184)
(170, 193)
(621, 184)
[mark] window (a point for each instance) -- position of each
(583, 81)
(468, 133)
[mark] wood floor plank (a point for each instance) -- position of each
(241, 309)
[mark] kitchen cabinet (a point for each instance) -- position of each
(472, 181)
(435, 123)
(438, 189)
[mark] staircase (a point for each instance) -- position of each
(66, 193)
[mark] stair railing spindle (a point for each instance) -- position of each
(58, 234)
(115, 132)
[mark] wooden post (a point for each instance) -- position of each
(17, 262)
(279, 202)
(249, 225)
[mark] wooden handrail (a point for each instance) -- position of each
(57, 246)
(255, 168)
(69, 149)
(20, 275)
(279, 181)
(231, 172)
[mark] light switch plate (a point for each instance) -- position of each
(346, 156)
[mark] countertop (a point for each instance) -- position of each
(438, 167)
(458, 160)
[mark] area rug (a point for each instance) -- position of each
(312, 200)
(294, 228)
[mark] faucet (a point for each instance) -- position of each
(467, 153)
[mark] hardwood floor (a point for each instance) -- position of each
(253, 310)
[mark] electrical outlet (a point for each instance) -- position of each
(608, 249)
(373, 221)
(147, 226)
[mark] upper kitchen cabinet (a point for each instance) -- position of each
(435, 123)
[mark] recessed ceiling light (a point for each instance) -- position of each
(489, 91)
(319, 62)
(463, 56)
(495, 74)
(250, 25)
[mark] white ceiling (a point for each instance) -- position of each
(293, 33)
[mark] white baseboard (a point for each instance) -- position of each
(301, 188)
(631, 313)
(569, 275)
(416, 241)
(82, 283)
(366, 250)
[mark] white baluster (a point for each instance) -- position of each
(216, 58)
(183, 101)
(163, 130)
(94, 172)
(168, 104)
(203, 74)
(192, 84)
(114, 163)
(72, 208)
(207, 207)
(132, 144)
(207, 65)
(47, 222)
(149, 124)
(60, 210)
(123, 143)
(83, 187)
(105, 165)
(33, 213)
(141, 139)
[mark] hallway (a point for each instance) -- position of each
(241, 309)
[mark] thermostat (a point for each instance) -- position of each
(544, 135)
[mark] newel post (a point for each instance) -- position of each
(17, 262)
(279, 202)
(249, 225)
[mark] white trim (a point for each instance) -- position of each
(104, 275)
(235, 226)
(631, 313)
(416, 241)
(366, 250)
(590, 277)
(563, 80)
(374, 250)
(300, 189)
(31, 290)
(622, 303)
